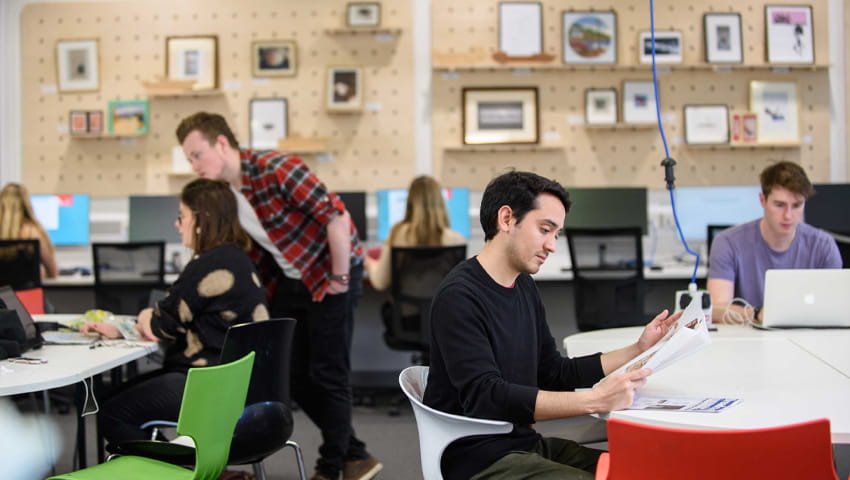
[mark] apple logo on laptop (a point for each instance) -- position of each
(809, 299)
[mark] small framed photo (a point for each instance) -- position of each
(790, 37)
(268, 122)
(77, 65)
(749, 128)
(706, 124)
(735, 128)
(345, 88)
(589, 37)
(775, 105)
(668, 47)
(274, 58)
(500, 115)
(363, 14)
(723, 42)
(193, 58)
(639, 101)
(95, 121)
(128, 117)
(521, 28)
(600, 106)
(78, 122)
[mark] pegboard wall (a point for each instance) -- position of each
(577, 155)
(372, 147)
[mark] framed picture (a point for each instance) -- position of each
(749, 128)
(723, 42)
(268, 122)
(274, 58)
(600, 106)
(590, 37)
(345, 88)
(500, 115)
(776, 108)
(78, 122)
(520, 28)
(639, 102)
(77, 65)
(790, 37)
(668, 47)
(363, 14)
(706, 124)
(735, 128)
(128, 117)
(193, 58)
(95, 121)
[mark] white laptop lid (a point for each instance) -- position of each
(807, 298)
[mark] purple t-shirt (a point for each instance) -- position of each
(741, 255)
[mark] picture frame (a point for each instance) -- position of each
(500, 115)
(723, 40)
(78, 122)
(193, 58)
(363, 14)
(94, 121)
(268, 122)
(790, 34)
(589, 37)
(274, 58)
(639, 101)
(128, 117)
(668, 46)
(706, 124)
(344, 92)
(776, 107)
(521, 28)
(78, 65)
(749, 127)
(600, 106)
(735, 128)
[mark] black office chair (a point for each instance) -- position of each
(607, 266)
(125, 274)
(20, 264)
(842, 240)
(711, 232)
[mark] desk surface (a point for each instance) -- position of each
(782, 377)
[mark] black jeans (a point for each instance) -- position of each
(321, 365)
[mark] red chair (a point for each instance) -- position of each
(638, 452)
(33, 300)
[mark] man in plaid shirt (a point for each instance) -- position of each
(307, 254)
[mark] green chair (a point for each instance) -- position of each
(213, 400)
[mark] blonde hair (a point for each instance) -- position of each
(16, 212)
(425, 215)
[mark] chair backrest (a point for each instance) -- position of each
(125, 273)
(711, 231)
(20, 262)
(213, 400)
(438, 429)
(638, 452)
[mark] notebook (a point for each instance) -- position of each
(810, 298)
(12, 302)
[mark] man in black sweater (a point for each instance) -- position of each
(492, 355)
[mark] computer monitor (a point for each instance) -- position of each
(65, 217)
(699, 207)
(607, 207)
(392, 203)
(828, 207)
(355, 203)
(152, 218)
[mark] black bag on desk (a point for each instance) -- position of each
(13, 340)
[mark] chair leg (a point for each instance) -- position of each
(259, 470)
(299, 458)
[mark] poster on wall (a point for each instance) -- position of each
(790, 36)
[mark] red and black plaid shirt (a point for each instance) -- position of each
(294, 207)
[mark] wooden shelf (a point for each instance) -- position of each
(107, 136)
(183, 93)
(621, 126)
(507, 147)
(644, 68)
(743, 146)
(364, 31)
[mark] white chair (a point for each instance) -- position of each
(438, 429)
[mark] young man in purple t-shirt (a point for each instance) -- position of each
(740, 255)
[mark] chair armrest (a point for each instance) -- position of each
(157, 423)
(603, 465)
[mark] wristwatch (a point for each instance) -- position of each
(341, 279)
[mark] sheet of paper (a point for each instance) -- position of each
(709, 405)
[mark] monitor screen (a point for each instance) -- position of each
(828, 207)
(152, 218)
(355, 203)
(607, 207)
(65, 217)
(699, 207)
(391, 206)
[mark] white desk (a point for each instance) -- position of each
(782, 377)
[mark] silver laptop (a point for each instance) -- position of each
(810, 298)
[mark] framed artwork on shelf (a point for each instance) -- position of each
(77, 65)
(668, 47)
(589, 37)
(274, 58)
(494, 115)
(790, 36)
(600, 106)
(193, 58)
(268, 122)
(363, 14)
(521, 28)
(749, 128)
(78, 122)
(735, 128)
(706, 124)
(344, 88)
(95, 121)
(128, 117)
(776, 108)
(723, 43)
(639, 101)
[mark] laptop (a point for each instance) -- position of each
(807, 298)
(12, 302)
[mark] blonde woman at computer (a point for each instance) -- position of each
(18, 222)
